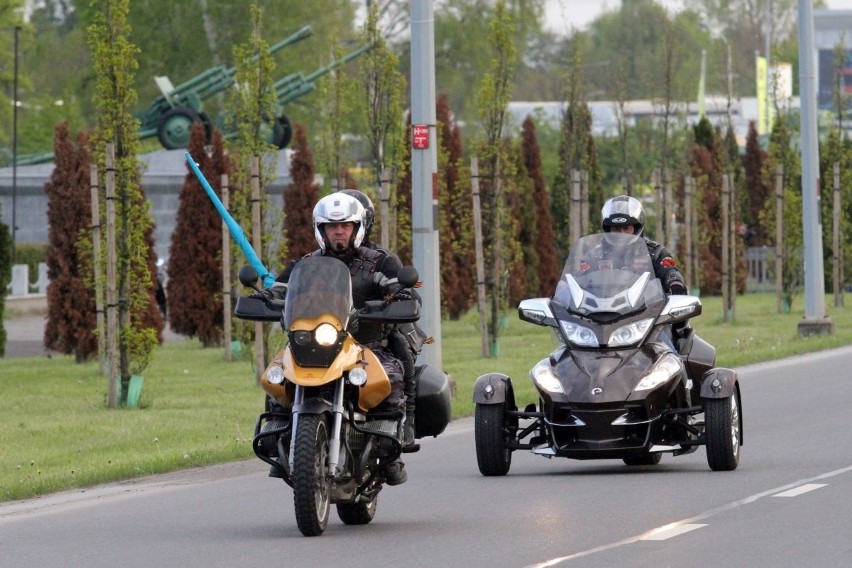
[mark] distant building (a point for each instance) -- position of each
(833, 28)
(605, 113)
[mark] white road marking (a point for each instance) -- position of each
(700, 517)
(795, 492)
(670, 531)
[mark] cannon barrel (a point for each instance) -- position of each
(295, 85)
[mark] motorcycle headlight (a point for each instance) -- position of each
(275, 375)
(578, 335)
(542, 375)
(358, 376)
(666, 368)
(325, 334)
(630, 334)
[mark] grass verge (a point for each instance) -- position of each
(196, 409)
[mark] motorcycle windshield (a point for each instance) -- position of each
(318, 285)
(609, 273)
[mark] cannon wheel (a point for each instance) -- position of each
(175, 127)
(282, 132)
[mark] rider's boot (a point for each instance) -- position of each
(409, 429)
(395, 473)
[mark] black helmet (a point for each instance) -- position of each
(367, 203)
(621, 211)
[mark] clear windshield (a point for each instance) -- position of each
(608, 273)
(318, 285)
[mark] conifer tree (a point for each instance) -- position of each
(401, 237)
(71, 317)
(457, 252)
(194, 287)
(543, 236)
(300, 196)
(522, 265)
(707, 170)
(5, 276)
(758, 192)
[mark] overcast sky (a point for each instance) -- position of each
(562, 15)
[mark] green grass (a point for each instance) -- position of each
(56, 432)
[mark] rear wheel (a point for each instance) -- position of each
(648, 459)
(490, 430)
(357, 513)
(311, 478)
(722, 430)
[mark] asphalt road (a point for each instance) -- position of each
(25, 336)
(786, 505)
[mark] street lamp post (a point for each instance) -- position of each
(15, 147)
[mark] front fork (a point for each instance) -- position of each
(337, 409)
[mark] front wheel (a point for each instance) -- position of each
(490, 431)
(722, 430)
(357, 513)
(311, 477)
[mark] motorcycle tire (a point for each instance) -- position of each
(310, 475)
(722, 430)
(490, 431)
(357, 513)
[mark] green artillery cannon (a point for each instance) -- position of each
(291, 88)
(172, 114)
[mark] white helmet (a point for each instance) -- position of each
(339, 208)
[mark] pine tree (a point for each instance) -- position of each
(457, 251)
(5, 276)
(71, 317)
(300, 196)
(707, 170)
(401, 237)
(543, 237)
(522, 254)
(194, 287)
(758, 192)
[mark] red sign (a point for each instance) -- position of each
(420, 136)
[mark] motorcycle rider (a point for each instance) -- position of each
(397, 342)
(339, 222)
(624, 214)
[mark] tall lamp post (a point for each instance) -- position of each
(15, 147)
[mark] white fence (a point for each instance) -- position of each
(20, 285)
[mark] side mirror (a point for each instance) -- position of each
(407, 276)
(248, 276)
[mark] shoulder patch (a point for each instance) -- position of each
(669, 262)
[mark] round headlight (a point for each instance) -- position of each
(275, 375)
(325, 334)
(302, 338)
(358, 376)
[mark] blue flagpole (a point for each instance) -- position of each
(233, 227)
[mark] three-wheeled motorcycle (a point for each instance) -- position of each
(621, 383)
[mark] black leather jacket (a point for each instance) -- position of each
(374, 277)
(665, 268)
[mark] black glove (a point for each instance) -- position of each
(265, 294)
(676, 288)
(404, 294)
